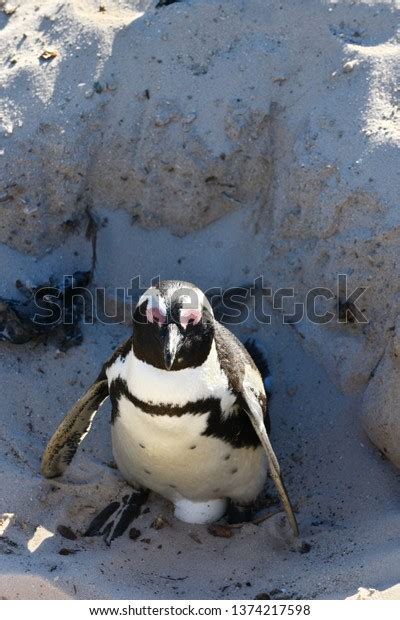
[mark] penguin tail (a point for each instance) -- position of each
(259, 357)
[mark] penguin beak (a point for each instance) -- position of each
(171, 344)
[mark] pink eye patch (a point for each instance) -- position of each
(154, 315)
(189, 315)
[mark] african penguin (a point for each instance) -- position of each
(188, 413)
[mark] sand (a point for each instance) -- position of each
(345, 493)
(293, 213)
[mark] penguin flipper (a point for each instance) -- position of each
(254, 410)
(64, 443)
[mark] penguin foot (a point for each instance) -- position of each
(115, 518)
(238, 513)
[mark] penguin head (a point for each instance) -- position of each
(173, 326)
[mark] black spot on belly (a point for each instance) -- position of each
(173, 486)
(234, 470)
(142, 446)
(147, 472)
(227, 457)
(193, 447)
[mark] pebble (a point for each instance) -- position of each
(262, 596)
(65, 551)
(66, 532)
(159, 522)
(220, 531)
(349, 66)
(134, 533)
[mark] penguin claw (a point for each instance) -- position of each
(115, 518)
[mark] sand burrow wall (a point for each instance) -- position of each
(184, 117)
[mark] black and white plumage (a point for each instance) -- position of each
(188, 410)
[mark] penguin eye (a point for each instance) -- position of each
(154, 315)
(189, 316)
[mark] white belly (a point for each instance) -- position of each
(169, 455)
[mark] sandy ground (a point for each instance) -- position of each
(284, 114)
(345, 494)
(300, 228)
